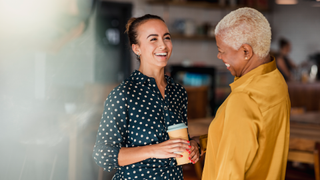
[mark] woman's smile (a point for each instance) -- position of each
(228, 65)
(161, 56)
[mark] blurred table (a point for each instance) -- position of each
(304, 130)
(306, 126)
(199, 126)
(307, 117)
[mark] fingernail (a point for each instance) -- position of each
(188, 141)
(189, 146)
(181, 155)
(189, 158)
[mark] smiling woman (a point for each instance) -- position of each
(249, 136)
(132, 136)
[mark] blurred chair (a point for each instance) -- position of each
(305, 151)
(197, 101)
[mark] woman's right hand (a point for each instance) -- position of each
(168, 148)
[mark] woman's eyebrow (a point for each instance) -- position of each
(152, 35)
(167, 34)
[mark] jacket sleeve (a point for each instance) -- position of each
(111, 134)
(239, 139)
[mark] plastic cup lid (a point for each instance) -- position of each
(177, 127)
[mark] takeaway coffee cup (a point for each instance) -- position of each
(180, 131)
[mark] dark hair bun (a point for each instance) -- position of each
(130, 21)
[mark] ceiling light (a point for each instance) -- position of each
(287, 2)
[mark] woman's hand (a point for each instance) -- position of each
(168, 148)
(194, 152)
(162, 150)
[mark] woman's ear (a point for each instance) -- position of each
(136, 49)
(247, 51)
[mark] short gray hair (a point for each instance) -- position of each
(246, 26)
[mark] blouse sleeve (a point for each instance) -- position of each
(185, 109)
(112, 131)
(239, 138)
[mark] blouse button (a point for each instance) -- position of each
(165, 108)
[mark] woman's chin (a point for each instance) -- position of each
(161, 65)
(162, 62)
(162, 59)
(232, 73)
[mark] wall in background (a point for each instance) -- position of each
(300, 24)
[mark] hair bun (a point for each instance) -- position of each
(130, 21)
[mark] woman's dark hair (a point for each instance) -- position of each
(283, 42)
(134, 23)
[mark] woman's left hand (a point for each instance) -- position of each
(193, 152)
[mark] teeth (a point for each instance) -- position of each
(228, 65)
(161, 54)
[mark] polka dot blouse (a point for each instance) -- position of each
(135, 114)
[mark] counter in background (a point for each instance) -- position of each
(305, 95)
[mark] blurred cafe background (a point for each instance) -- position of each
(59, 59)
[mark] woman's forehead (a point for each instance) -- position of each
(153, 26)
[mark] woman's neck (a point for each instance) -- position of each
(254, 63)
(156, 73)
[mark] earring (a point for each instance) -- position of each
(138, 55)
(246, 58)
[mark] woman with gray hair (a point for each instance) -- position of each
(249, 136)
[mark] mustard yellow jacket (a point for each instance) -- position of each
(249, 136)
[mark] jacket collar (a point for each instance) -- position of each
(260, 70)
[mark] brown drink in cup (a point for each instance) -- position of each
(180, 131)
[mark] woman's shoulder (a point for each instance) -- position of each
(126, 83)
(179, 86)
(180, 89)
(173, 83)
(121, 89)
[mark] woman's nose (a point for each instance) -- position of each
(162, 44)
(218, 56)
